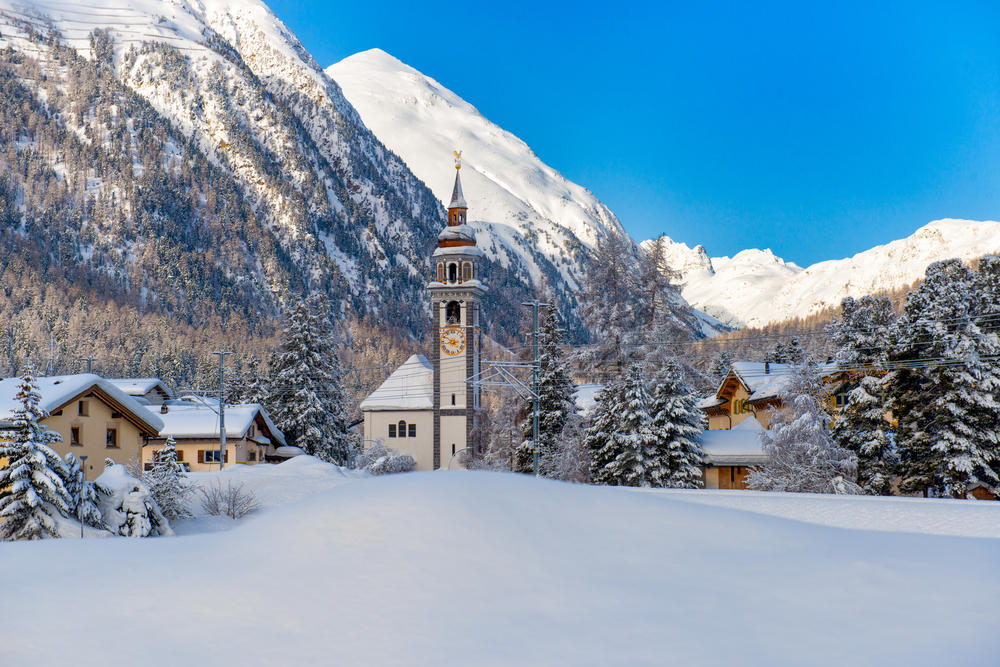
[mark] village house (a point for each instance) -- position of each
(151, 391)
(193, 422)
(95, 419)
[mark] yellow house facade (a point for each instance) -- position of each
(94, 418)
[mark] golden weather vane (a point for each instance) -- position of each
(458, 159)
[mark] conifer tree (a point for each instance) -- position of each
(944, 443)
(597, 440)
(633, 450)
(678, 423)
(609, 307)
(166, 483)
(31, 484)
(307, 393)
(861, 339)
(555, 401)
(720, 368)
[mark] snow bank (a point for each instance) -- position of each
(487, 568)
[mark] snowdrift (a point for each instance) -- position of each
(488, 568)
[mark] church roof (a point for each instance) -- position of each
(410, 387)
(458, 233)
(457, 198)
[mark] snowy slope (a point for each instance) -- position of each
(755, 287)
(489, 569)
(510, 191)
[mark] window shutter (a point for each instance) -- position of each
(201, 456)
(225, 458)
(180, 454)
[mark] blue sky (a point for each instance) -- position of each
(814, 129)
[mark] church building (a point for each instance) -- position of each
(425, 408)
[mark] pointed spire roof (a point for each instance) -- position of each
(457, 198)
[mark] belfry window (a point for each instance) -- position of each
(466, 271)
(440, 272)
(452, 273)
(453, 313)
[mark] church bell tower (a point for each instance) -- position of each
(456, 296)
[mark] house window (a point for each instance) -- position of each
(401, 429)
(466, 270)
(111, 439)
(452, 449)
(57, 413)
(210, 456)
(392, 430)
(252, 456)
(116, 415)
(452, 273)
(81, 408)
(74, 436)
(250, 431)
(453, 399)
(412, 431)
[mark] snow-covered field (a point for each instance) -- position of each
(486, 568)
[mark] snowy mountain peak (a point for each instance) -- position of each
(756, 287)
(532, 215)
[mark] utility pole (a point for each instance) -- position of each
(535, 405)
(222, 406)
(90, 364)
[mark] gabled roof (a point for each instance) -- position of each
(141, 386)
(58, 390)
(410, 387)
(763, 381)
(188, 419)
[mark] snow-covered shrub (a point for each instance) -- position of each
(127, 506)
(31, 484)
(801, 453)
(382, 460)
(166, 483)
(234, 501)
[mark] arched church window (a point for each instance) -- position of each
(440, 274)
(401, 428)
(466, 271)
(453, 313)
(452, 273)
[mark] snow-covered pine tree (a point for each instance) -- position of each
(635, 455)
(166, 482)
(860, 336)
(943, 443)
(555, 401)
(597, 440)
(256, 384)
(658, 307)
(678, 423)
(307, 393)
(987, 291)
(801, 454)
(73, 482)
(31, 484)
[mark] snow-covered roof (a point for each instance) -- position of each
(768, 380)
(465, 250)
(410, 387)
(188, 419)
(737, 446)
(140, 386)
(57, 390)
(457, 233)
(457, 197)
(710, 402)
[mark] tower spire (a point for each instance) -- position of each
(457, 208)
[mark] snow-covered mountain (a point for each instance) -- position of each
(530, 212)
(755, 287)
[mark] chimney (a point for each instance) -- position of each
(164, 409)
(767, 368)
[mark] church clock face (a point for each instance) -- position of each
(452, 341)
